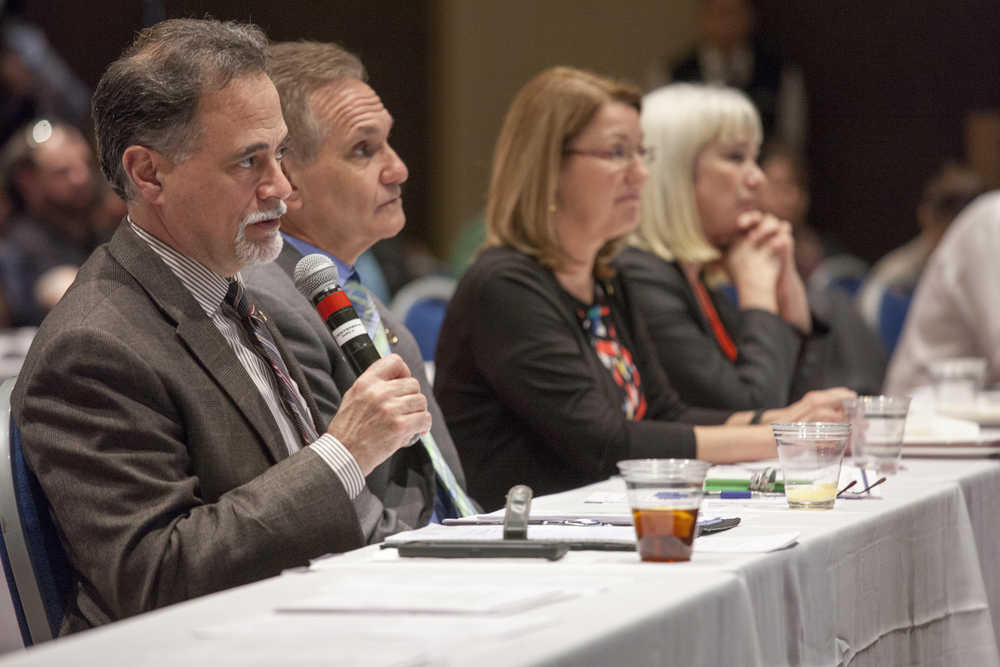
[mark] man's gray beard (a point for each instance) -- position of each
(265, 250)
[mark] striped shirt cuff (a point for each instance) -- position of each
(342, 462)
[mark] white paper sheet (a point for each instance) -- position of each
(738, 543)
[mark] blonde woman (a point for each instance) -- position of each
(544, 370)
(701, 212)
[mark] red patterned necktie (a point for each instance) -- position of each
(253, 321)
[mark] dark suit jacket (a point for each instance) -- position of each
(400, 492)
(764, 86)
(526, 396)
(775, 363)
(166, 473)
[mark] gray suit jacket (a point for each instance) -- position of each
(166, 473)
(400, 492)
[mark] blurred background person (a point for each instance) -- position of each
(822, 262)
(786, 195)
(48, 168)
(853, 353)
(35, 81)
(729, 54)
(888, 288)
(5, 212)
(701, 212)
(545, 372)
(955, 310)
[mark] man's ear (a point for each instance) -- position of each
(145, 167)
(294, 200)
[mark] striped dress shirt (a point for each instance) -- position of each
(209, 290)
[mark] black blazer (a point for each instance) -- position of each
(774, 366)
(526, 398)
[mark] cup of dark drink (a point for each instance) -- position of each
(665, 495)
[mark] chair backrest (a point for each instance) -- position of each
(892, 315)
(839, 272)
(38, 574)
(420, 305)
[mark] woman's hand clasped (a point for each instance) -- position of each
(761, 263)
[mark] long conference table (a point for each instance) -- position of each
(909, 577)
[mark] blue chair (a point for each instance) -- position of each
(37, 571)
(892, 315)
(839, 272)
(420, 305)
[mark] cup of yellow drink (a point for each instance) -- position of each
(811, 454)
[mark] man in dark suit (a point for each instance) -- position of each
(177, 443)
(730, 54)
(346, 195)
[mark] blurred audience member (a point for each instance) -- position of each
(730, 54)
(947, 192)
(49, 170)
(35, 81)
(5, 212)
(854, 355)
(822, 262)
(701, 211)
(786, 195)
(955, 310)
(6, 209)
(107, 213)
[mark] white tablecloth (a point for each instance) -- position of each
(887, 581)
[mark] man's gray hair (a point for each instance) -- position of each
(298, 69)
(149, 96)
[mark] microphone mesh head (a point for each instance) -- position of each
(315, 273)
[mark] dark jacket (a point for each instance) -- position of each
(526, 398)
(775, 364)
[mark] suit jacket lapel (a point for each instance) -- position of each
(198, 333)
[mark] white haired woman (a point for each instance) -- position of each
(700, 214)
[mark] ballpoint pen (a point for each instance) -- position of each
(732, 494)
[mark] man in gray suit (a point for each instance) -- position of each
(346, 195)
(176, 441)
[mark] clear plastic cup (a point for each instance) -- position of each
(811, 454)
(665, 495)
(957, 381)
(877, 434)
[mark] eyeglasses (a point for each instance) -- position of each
(621, 156)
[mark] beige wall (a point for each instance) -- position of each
(484, 50)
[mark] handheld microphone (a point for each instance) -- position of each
(317, 279)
